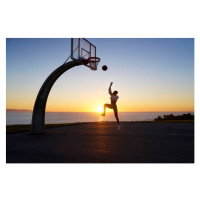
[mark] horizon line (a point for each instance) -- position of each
(92, 111)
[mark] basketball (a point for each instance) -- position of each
(104, 68)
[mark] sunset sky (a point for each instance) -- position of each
(149, 74)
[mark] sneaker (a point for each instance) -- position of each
(103, 114)
(118, 127)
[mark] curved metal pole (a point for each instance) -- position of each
(38, 116)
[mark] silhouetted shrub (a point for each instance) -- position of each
(178, 117)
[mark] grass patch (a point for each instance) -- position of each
(17, 128)
(25, 128)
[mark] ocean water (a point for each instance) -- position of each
(70, 117)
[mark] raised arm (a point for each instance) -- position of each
(109, 90)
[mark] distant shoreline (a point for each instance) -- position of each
(18, 110)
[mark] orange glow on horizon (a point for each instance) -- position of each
(121, 108)
(96, 106)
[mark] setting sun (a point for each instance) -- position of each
(99, 109)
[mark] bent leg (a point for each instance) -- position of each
(104, 108)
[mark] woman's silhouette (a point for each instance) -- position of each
(113, 105)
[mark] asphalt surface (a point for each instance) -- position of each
(101, 142)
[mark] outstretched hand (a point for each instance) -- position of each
(111, 83)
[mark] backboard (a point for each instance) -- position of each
(81, 50)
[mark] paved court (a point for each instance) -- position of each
(136, 142)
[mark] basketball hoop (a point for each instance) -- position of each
(92, 62)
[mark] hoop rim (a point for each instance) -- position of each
(97, 59)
